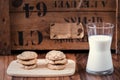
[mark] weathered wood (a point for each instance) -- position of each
(4, 62)
(118, 5)
(4, 27)
(118, 26)
(80, 74)
(62, 5)
(81, 65)
(7, 60)
(60, 17)
(118, 33)
(34, 32)
(30, 22)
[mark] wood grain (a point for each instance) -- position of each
(25, 32)
(8, 59)
(4, 27)
(118, 5)
(30, 22)
(82, 60)
(118, 26)
(64, 5)
(80, 74)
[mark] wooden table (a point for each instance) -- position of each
(80, 73)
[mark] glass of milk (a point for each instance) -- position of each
(100, 39)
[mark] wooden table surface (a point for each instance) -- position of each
(80, 73)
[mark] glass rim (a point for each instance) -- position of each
(100, 27)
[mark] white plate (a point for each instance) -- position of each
(15, 69)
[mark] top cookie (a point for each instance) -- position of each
(27, 55)
(55, 55)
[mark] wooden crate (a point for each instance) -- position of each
(30, 22)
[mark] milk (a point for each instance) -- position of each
(99, 58)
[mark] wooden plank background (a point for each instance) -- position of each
(4, 27)
(64, 5)
(20, 24)
(30, 21)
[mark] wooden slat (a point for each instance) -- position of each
(25, 31)
(118, 33)
(63, 5)
(117, 5)
(7, 60)
(4, 62)
(18, 19)
(4, 27)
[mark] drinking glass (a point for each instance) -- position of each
(100, 39)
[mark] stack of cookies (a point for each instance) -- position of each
(56, 60)
(28, 59)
